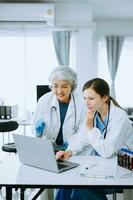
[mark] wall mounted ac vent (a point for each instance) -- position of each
(27, 12)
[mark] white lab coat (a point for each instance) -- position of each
(51, 117)
(119, 133)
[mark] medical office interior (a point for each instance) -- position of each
(28, 52)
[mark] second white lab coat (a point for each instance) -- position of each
(51, 117)
(119, 134)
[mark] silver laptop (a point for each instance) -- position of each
(38, 152)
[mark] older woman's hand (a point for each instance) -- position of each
(63, 155)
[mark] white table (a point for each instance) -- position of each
(24, 123)
(13, 173)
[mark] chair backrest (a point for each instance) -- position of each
(129, 110)
(41, 90)
(7, 126)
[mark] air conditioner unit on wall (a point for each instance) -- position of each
(27, 12)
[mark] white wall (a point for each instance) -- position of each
(117, 27)
(78, 16)
(108, 27)
(84, 66)
(73, 14)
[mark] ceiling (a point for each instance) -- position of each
(102, 9)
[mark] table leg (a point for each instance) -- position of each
(38, 194)
(8, 193)
(22, 193)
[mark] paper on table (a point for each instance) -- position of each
(102, 168)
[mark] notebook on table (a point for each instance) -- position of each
(38, 152)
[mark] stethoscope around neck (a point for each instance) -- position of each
(54, 110)
(106, 126)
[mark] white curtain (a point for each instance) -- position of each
(114, 46)
(62, 46)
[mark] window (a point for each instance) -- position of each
(26, 59)
(124, 76)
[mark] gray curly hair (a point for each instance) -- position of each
(64, 73)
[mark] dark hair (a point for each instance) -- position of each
(101, 87)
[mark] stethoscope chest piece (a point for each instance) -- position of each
(75, 129)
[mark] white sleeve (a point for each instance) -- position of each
(117, 133)
(39, 113)
(78, 142)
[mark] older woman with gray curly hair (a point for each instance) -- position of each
(60, 112)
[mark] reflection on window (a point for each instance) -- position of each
(124, 76)
(25, 61)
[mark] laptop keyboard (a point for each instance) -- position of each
(61, 166)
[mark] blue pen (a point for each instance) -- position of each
(91, 166)
(97, 176)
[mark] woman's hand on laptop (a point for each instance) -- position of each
(63, 155)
